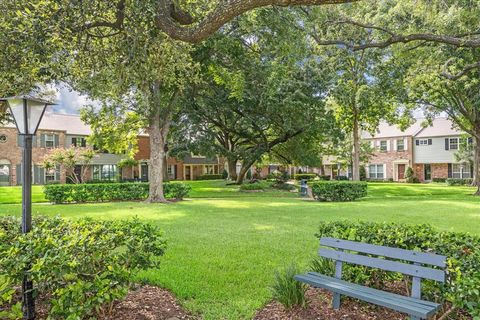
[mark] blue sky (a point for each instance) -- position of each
(69, 101)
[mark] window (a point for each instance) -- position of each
(171, 171)
(461, 171)
(79, 142)
(453, 143)
(423, 142)
(209, 169)
(50, 141)
(49, 175)
(375, 171)
(400, 145)
(105, 172)
(383, 145)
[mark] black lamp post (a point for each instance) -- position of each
(27, 113)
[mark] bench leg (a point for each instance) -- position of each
(336, 301)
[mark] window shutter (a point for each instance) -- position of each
(417, 142)
(405, 144)
(34, 141)
(446, 144)
(56, 138)
(84, 142)
(19, 174)
(36, 176)
(470, 140)
(471, 171)
(74, 142)
(449, 170)
(429, 142)
(395, 145)
(388, 145)
(57, 173)
(372, 144)
(41, 175)
(42, 141)
(19, 141)
(384, 172)
(175, 172)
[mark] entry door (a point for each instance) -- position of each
(401, 171)
(4, 174)
(427, 168)
(188, 172)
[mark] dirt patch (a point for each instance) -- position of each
(320, 307)
(149, 303)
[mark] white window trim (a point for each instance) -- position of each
(50, 138)
(450, 143)
(384, 167)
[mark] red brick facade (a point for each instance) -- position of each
(391, 158)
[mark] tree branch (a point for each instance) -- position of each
(225, 11)
(458, 75)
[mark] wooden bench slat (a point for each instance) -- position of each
(408, 255)
(415, 307)
(386, 294)
(408, 269)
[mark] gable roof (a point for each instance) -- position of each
(440, 127)
(386, 130)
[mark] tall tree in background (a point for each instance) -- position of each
(439, 53)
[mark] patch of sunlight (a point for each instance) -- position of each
(281, 204)
(263, 227)
(457, 204)
(225, 204)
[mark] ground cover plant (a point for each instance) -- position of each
(79, 267)
(218, 234)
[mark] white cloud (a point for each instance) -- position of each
(70, 101)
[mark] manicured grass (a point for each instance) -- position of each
(225, 245)
(14, 194)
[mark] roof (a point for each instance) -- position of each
(386, 130)
(440, 127)
(70, 123)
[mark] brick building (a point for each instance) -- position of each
(64, 131)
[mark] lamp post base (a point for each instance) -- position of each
(28, 303)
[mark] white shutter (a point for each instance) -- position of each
(405, 144)
(372, 144)
(388, 144)
(395, 145)
(384, 171)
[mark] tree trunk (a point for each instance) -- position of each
(476, 164)
(232, 168)
(158, 132)
(356, 149)
(243, 171)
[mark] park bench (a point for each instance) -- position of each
(419, 265)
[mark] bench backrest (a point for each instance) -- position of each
(360, 254)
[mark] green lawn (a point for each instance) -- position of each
(225, 245)
(14, 194)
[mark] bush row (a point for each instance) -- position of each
(458, 182)
(339, 190)
(258, 185)
(79, 267)
(66, 193)
(439, 180)
(462, 250)
(210, 177)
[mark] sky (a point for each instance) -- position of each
(69, 101)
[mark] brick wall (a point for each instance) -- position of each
(11, 152)
(387, 158)
(439, 170)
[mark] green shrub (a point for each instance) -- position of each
(284, 186)
(287, 290)
(410, 176)
(440, 180)
(224, 174)
(210, 177)
(260, 185)
(306, 176)
(363, 173)
(78, 266)
(67, 193)
(461, 249)
(324, 178)
(341, 178)
(339, 190)
(458, 182)
(249, 175)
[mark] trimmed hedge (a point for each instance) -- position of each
(441, 180)
(458, 182)
(339, 190)
(210, 177)
(306, 176)
(461, 249)
(325, 178)
(67, 193)
(79, 267)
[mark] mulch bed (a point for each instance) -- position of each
(320, 307)
(149, 303)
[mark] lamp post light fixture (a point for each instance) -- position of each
(27, 113)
